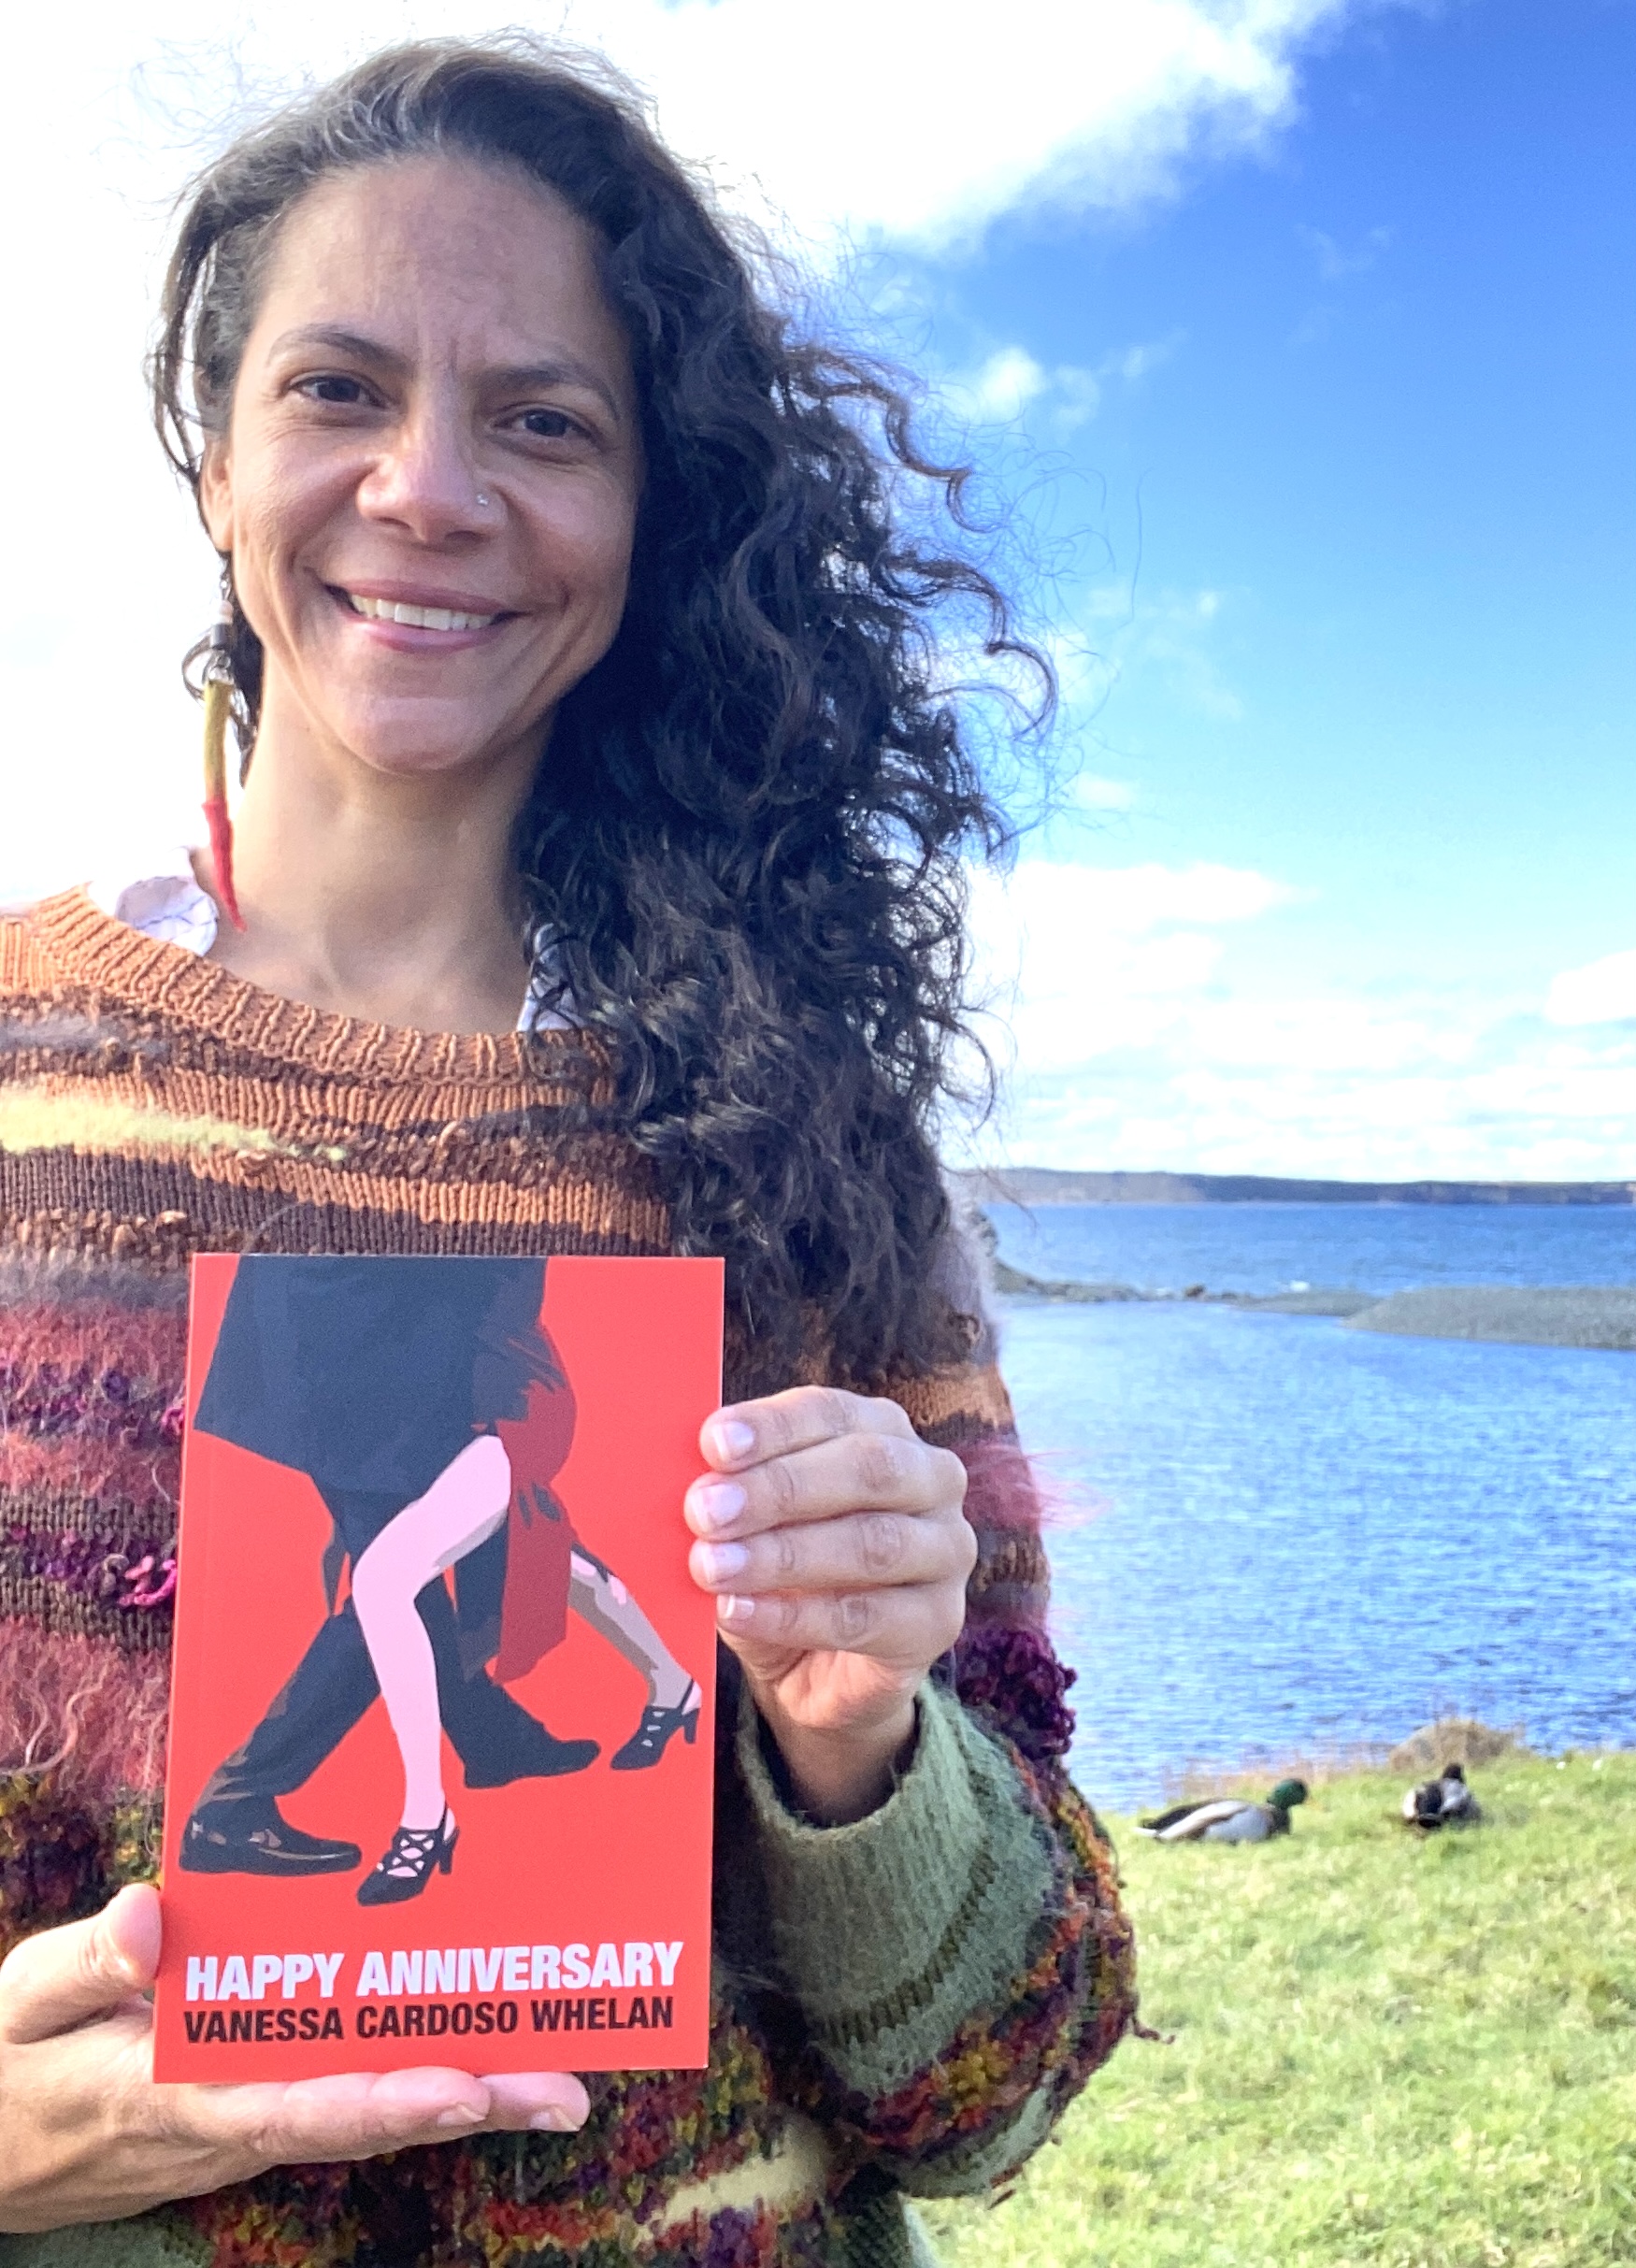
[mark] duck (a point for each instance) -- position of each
(1445, 1801)
(1229, 1819)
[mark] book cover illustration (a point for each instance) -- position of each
(438, 1787)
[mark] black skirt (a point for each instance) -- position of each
(374, 1375)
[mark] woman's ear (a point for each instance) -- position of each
(216, 495)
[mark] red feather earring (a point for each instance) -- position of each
(217, 689)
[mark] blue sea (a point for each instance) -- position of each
(1273, 1535)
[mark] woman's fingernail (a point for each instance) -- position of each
(551, 2122)
(717, 1504)
(733, 1437)
(734, 1609)
(717, 1563)
(459, 2114)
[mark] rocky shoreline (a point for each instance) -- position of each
(1554, 1315)
(1033, 1185)
(1559, 1314)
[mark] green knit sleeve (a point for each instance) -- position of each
(148, 2242)
(959, 1956)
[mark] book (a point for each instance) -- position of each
(438, 1784)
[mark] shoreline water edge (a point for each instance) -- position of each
(1591, 1316)
(1563, 1315)
(1295, 1506)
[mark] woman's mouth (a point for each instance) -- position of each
(416, 617)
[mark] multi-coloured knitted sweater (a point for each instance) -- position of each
(901, 2007)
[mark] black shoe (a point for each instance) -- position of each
(652, 1737)
(542, 1759)
(408, 1863)
(239, 1836)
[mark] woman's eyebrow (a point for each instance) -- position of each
(519, 377)
(562, 369)
(337, 336)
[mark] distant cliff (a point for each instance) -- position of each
(1043, 1186)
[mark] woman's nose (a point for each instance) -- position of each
(425, 480)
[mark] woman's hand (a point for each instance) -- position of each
(837, 1546)
(86, 2135)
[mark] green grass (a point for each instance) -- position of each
(1382, 2049)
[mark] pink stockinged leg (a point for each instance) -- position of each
(597, 1595)
(463, 1506)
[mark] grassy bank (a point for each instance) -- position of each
(1420, 2054)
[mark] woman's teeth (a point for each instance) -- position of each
(418, 618)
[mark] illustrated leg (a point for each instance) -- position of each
(464, 1504)
(236, 1826)
(596, 1594)
(334, 1683)
(674, 1699)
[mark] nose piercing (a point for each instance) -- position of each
(484, 501)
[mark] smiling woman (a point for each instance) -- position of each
(598, 859)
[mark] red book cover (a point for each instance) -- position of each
(441, 1725)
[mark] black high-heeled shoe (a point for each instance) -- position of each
(652, 1736)
(407, 1862)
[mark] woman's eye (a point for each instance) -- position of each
(547, 424)
(343, 393)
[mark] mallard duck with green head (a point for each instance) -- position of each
(1228, 1820)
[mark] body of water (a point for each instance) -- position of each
(1276, 1533)
(1267, 1248)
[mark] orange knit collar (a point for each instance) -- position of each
(109, 957)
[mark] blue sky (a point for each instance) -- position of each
(1302, 336)
(1389, 423)
(1375, 460)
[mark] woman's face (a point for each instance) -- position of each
(428, 485)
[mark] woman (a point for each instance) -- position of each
(587, 682)
(408, 1394)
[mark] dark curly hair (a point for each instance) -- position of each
(746, 847)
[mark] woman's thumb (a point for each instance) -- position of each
(60, 1977)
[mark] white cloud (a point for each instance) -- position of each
(1073, 962)
(924, 120)
(1334, 261)
(1145, 1018)
(1123, 631)
(1134, 363)
(998, 389)
(1602, 992)
(1092, 792)
(1009, 380)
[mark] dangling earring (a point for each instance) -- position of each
(217, 690)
